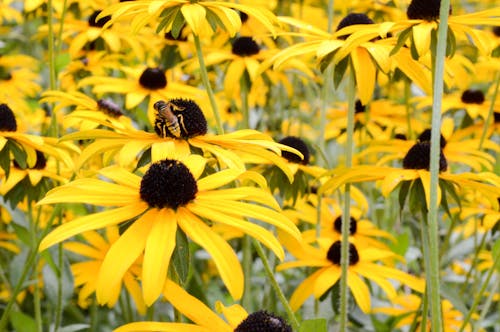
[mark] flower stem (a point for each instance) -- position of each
(438, 86)
(487, 121)
(206, 83)
(274, 284)
(346, 215)
(247, 271)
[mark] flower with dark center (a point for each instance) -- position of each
(189, 117)
(359, 107)
(40, 163)
(418, 157)
(168, 184)
(108, 107)
(100, 22)
(245, 46)
(153, 79)
(424, 10)
(263, 321)
(472, 97)
(334, 253)
(353, 225)
(297, 144)
(425, 136)
(352, 19)
(7, 119)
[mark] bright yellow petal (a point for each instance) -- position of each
(422, 36)
(360, 292)
(365, 71)
(325, 280)
(161, 327)
(234, 314)
(159, 248)
(425, 177)
(304, 290)
(234, 72)
(194, 14)
(121, 255)
(91, 222)
(218, 179)
(223, 255)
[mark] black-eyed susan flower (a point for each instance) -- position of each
(201, 16)
(169, 195)
(205, 320)
(85, 271)
(362, 264)
(415, 167)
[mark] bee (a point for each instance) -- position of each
(166, 120)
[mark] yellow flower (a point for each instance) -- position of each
(361, 264)
(200, 16)
(171, 194)
(85, 272)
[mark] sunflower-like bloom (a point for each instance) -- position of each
(169, 195)
(362, 263)
(416, 167)
(205, 320)
(86, 271)
(407, 308)
(200, 16)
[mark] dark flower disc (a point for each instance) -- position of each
(353, 225)
(496, 31)
(425, 136)
(7, 119)
(334, 253)
(418, 157)
(153, 79)
(359, 107)
(472, 97)
(297, 144)
(245, 46)
(190, 119)
(496, 116)
(100, 22)
(423, 10)
(108, 107)
(168, 184)
(400, 136)
(352, 19)
(40, 163)
(263, 321)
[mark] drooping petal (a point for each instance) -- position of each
(194, 14)
(360, 292)
(326, 280)
(159, 248)
(365, 72)
(304, 290)
(161, 327)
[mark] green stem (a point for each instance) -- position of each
(247, 271)
(491, 110)
(206, 83)
(475, 260)
(346, 215)
(479, 295)
(274, 284)
(438, 86)
(425, 253)
(486, 306)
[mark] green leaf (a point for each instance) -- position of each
(22, 322)
(177, 25)
(339, 71)
(450, 188)
(400, 247)
(313, 325)
(417, 202)
(19, 154)
(55, 279)
(403, 193)
(403, 36)
(22, 233)
(450, 293)
(181, 257)
(74, 328)
(413, 51)
(214, 20)
(5, 159)
(451, 43)
(62, 61)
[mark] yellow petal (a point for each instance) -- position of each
(326, 280)
(425, 177)
(194, 14)
(365, 71)
(91, 222)
(234, 72)
(234, 314)
(304, 290)
(422, 36)
(218, 179)
(223, 255)
(360, 292)
(159, 248)
(161, 327)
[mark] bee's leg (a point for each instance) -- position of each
(181, 121)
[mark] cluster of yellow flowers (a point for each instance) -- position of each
(160, 144)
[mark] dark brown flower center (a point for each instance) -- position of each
(179, 118)
(108, 107)
(472, 97)
(297, 144)
(7, 119)
(418, 157)
(153, 79)
(334, 253)
(168, 184)
(353, 225)
(353, 19)
(245, 46)
(263, 321)
(100, 22)
(425, 136)
(424, 10)
(496, 31)
(359, 107)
